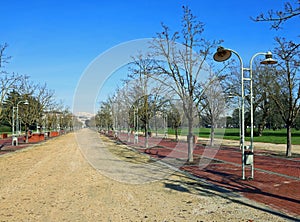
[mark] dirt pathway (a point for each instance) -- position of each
(53, 181)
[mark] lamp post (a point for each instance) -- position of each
(136, 124)
(165, 117)
(14, 139)
(224, 54)
(25, 102)
(15, 123)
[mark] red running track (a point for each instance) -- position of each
(276, 179)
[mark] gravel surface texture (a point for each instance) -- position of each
(86, 177)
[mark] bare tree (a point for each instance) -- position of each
(175, 118)
(286, 93)
(104, 116)
(40, 99)
(278, 17)
(3, 57)
(286, 85)
(184, 65)
(45, 98)
(142, 69)
(213, 105)
(10, 102)
(151, 94)
(8, 81)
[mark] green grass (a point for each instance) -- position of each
(278, 136)
(5, 129)
(269, 136)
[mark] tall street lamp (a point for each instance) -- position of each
(14, 139)
(25, 102)
(15, 123)
(224, 54)
(136, 124)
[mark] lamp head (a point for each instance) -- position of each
(222, 54)
(269, 59)
(26, 102)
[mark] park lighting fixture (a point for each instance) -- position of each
(222, 55)
(269, 59)
(26, 102)
(16, 122)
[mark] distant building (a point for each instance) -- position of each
(83, 117)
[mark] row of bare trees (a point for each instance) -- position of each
(40, 111)
(172, 83)
(179, 81)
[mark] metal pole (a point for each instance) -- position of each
(17, 123)
(20, 126)
(13, 127)
(222, 55)
(134, 126)
(166, 125)
(137, 125)
(251, 111)
(242, 141)
(240, 117)
(251, 115)
(17, 128)
(243, 121)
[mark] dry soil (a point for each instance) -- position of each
(53, 181)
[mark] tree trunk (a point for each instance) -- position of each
(27, 132)
(155, 125)
(190, 141)
(146, 135)
(260, 129)
(176, 133)
(289, 140)
(128, 135)
(262, 125)
(212, 135)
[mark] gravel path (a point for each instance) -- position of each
(53, 181)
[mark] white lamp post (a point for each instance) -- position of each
(25, 102)
(14, 139)
(221, 55)
(136, 124)
(14, 136)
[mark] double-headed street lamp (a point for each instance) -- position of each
(14, 141)
(224, 54)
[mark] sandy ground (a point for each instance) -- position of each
(53, 181)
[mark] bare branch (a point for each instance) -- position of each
(3, 58)
(280, 16)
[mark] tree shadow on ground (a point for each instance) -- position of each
(210, 187)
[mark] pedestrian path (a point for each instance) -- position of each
(99, 155)
(276, 179)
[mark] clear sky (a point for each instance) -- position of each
(54, 41)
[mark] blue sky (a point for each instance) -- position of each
(54, 41)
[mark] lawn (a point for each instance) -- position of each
(269, 136)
